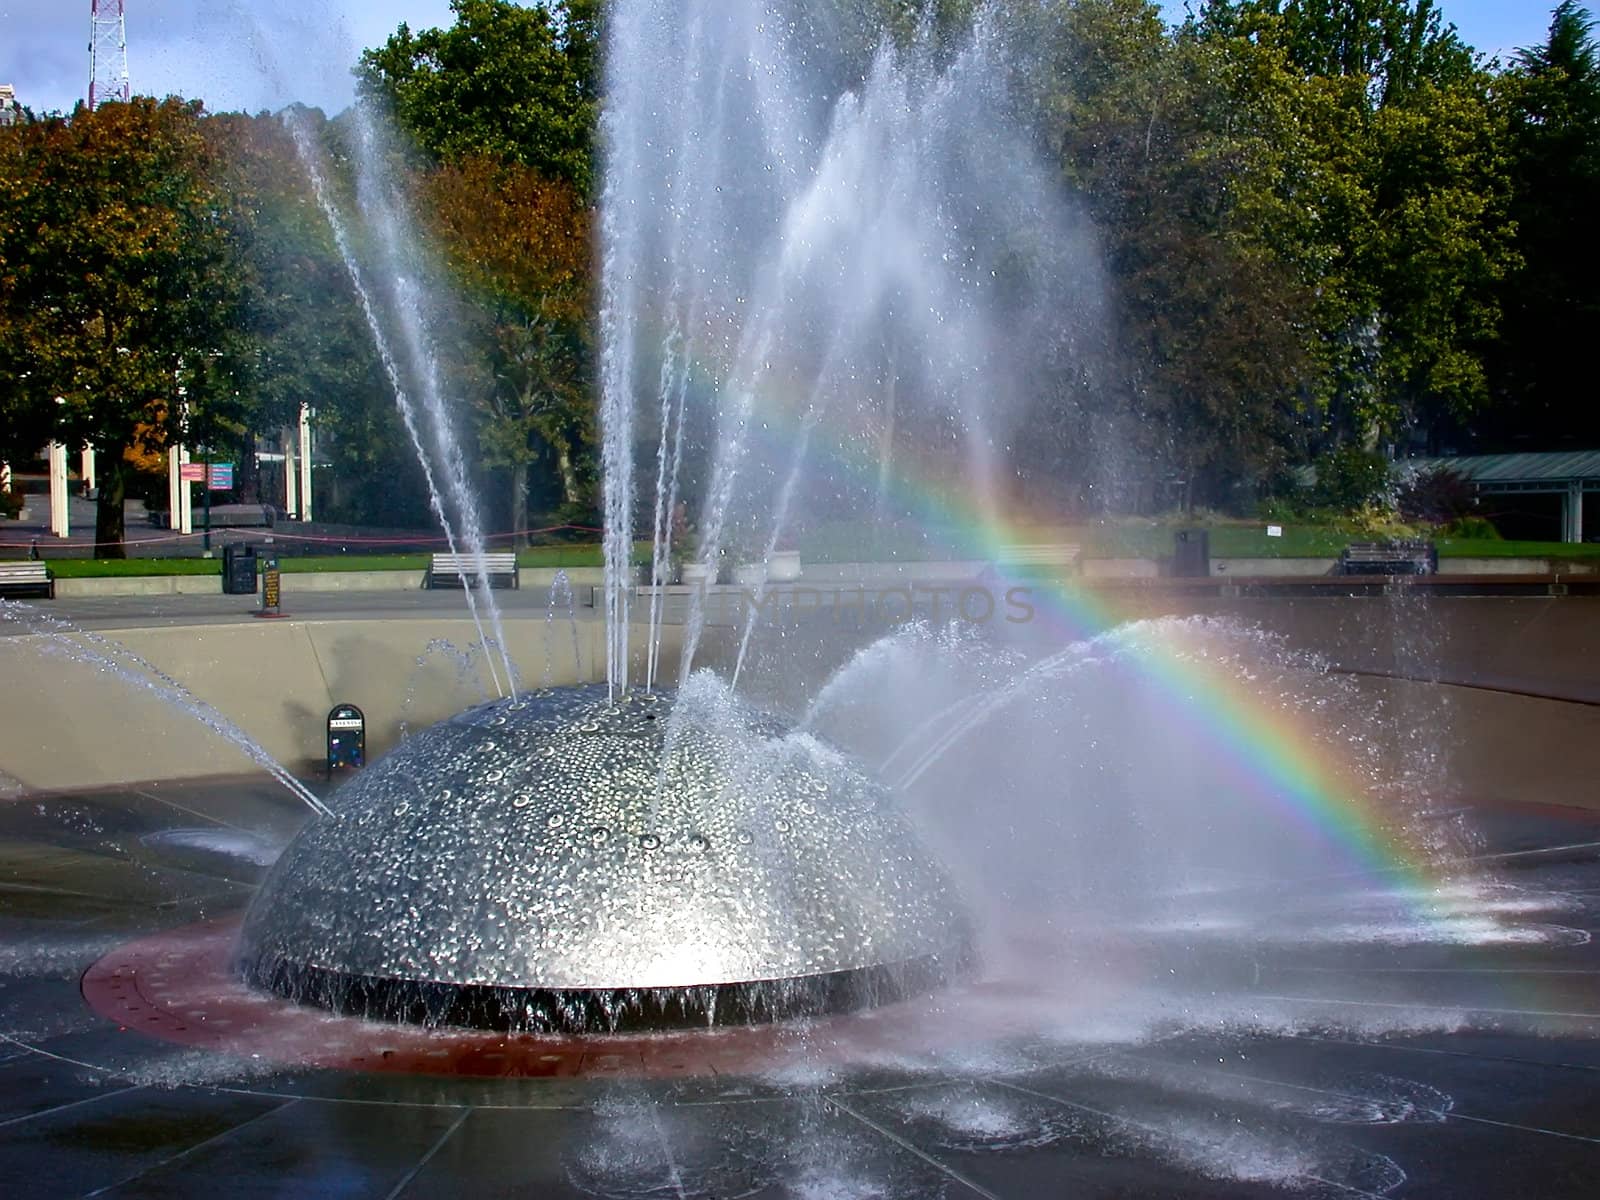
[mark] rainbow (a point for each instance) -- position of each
(1275, 755)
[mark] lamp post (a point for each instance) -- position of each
(206, 485)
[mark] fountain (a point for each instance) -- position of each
(879, 221)
(1078, 903)
(783, 253)
(569, 862)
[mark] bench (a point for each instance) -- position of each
(1389, 558)
(458, 570)
(32, 578)
(1054, 555)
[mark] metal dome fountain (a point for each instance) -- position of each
(566, 861)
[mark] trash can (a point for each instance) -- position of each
(1191, 554)
(239, 570)
(347, 738)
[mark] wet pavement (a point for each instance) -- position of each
(1354, 1066)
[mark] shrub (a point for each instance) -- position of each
(1437, 494)
(1479, 528)
(11, 504)
(1280, 509)
(1350, 478)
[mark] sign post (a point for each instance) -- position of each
(271, 587)
(218, 477)
(206, 541)
(347, 738)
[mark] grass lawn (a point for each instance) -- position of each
(1145, 539)
(91, 568)
(842, 544)
(1298, 541)
(1481, 548)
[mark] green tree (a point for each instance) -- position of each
(1437, 249)
(309, 342)
(1408, 233)
(1543, 364)
(519, 247)
(1178, 147)
(1397, 45)
(518, 84)
(121, 288)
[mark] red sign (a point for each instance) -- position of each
(192, 472)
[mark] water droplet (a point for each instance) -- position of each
(807, 808)
(495, 776)
(555, 820)
(650, 841)
(781, 825)
(744, 837)
(699, 841)
(598, 834)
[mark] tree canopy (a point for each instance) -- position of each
(1396, 46)
(519, 246)
(123, 292)
(518, 84)
(1329, 227)
(1541, 363)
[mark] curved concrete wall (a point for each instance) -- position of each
(70, 722)
(298, 581)
(67, 723)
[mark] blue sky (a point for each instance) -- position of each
(1496, 27)
(250, 55)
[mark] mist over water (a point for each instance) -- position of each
(402, 316)
(833, 266)
(823, 295)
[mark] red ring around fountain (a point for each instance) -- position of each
(181, 986)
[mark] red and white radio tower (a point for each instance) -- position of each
(108, 52)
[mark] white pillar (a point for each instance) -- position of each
(305, 462)
(178, 503)
(86, 468)
(1573, 532)
(291, 505)
(174, 489)
(185, 495)
(59, 521)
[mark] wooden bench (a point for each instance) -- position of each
(31, 578)
(1389, 558)
(1054, 555)
(460, 570)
